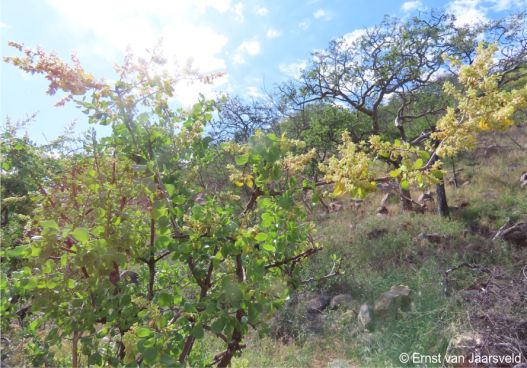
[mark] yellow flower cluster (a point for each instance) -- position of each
(351, 171)
(481, 105)
(295, 164)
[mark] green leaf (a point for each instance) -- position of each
(268, 247)
(242, 159)
(218, 325)
(267, 219)
(418, 163)
(438, 174)
(143, 332)
(164, 300)
(49, 224)
(35, 324)
(180, 199)
(150, 355)
(21, 250)
(81, 234)
(71, 284)
(197, 331)
(95, 359)
(424, 155)
(404, 184)
(171, 189)
(395, 173)
(261, 236)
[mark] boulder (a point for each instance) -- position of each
(523, 180)
(312, 309)
(382, 211)
(364, 318)
(317, 304)
(335, 206)
(461, 348)
(342, 301)
(398, 297)
(358, 202)
(426, 197)
(515, 234)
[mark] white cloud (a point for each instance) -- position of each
(262, 11)
(353, 36)
(238, 58)
(251, 48)
(4, 25)
(273, 33)
(304, 25)
(502, 5)
(220, 5)
(467, 12)
(188, 92)
(322, 14)
(139, 25)
(409, 6)
(238, 11)
(253, 91)
(293, 69)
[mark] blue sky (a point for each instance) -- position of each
(257, 43)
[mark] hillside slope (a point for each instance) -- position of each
(468, 291)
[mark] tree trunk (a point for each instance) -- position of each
(152, 261)
(151, 279)
(406, 199)
(375, 124)
(234, 344)
(187, 348)
(442, 204)
(75, 349)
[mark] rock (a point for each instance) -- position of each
(358, 202)
(381, 211)
(463, 345)
(317, 304)
(335, 206)
(342, 301)
(364, 317)
(515, 234)
(491, 150)
(432, 237)
(398, 297)
(385, 199)
(426, 197)
(523, 180)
